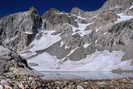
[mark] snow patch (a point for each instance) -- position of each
(46, 62)
(61, 44)
(1, 87)
(131, 7)
(123, 18)
(45, 41)
(28, 32)
(86, 45)
(66, 47)
(81, 29)
(27, 54)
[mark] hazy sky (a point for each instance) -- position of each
(12, 6)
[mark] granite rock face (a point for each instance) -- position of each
(84, 32)
(18, 30)
(116, 5)
(55, 20)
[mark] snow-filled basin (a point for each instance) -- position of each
(99, 65)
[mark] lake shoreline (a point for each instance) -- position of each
(37, 82)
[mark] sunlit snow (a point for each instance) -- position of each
(45, 41)
(99, 61)
(123, 17)
(131, 7)
(82, 29)
(86, 45)
(99, 65)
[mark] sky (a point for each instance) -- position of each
(13, 6)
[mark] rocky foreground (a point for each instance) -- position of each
(32, 82)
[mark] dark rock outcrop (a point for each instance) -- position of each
(10, 60)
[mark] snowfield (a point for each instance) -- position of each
(99, 61)
(45, 41)
(96, 66)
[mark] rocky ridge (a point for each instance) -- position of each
(18, 30)
(77, 31)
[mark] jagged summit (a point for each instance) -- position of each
(33, 10)
(117, 4)
(17, 30)
(76, 11)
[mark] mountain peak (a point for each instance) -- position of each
(33, 10)
(113, 4)
(76, 11)
(53, 10)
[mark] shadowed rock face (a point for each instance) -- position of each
(18, 30)
(54, 19)
(118, 37)
(10, 60)
(123, 37)
(129, 12)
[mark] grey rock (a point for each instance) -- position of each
(129, 12)
(118, 37)
(33, 64)
(79, 87)
(110, 36)
(4, 51)
(54, 19)
(9, 59)
(19, 29)
(57, 51)
(116, 5)
(77, 11)
(71, 43)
